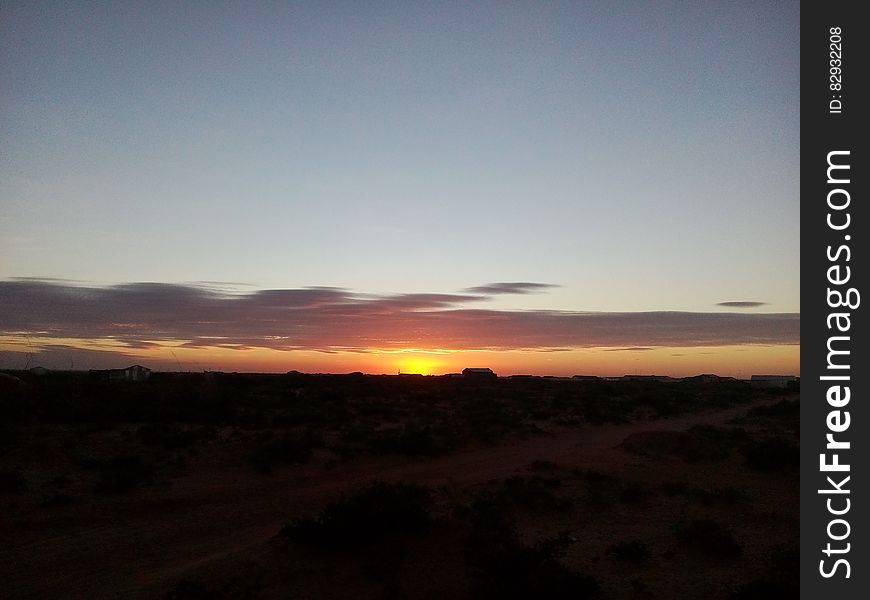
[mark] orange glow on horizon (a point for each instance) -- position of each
(736, 361)
(419, 365)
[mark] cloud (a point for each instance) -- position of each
(632, 349)
(742, 304)
(66, 357)
(340, 320)
(516, 287)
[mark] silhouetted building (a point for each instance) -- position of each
(479, 373)
(131, 373)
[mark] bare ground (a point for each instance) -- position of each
(138, 545)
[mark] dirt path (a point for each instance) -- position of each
(137, 545)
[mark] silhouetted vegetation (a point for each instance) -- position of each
(365, 516)
(536, 525)
(630, 551)
(709, 538)
(120, 474)
(772, 454)
(12, 481)
(284, 448)
(505, 567)
(187, 589)
(412, 440)
(761, 589)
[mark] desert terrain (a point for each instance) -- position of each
(357, 486)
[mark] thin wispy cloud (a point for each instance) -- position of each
(515, 287)
(742, 304)
(632, 349)
(138, 315)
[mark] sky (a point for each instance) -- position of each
(551, 188)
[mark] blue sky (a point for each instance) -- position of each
(640, 156)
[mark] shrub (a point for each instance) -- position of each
(187, 589)
(634, 493)
(632, 551)
(505, 567)
(168, 437)
(710, 538)
(783, 408)
(760, 589)
(56, 500)
(535, 493)
(772, 454)
(698, 443)
(121, 474)
(365, 515)
(12, 481)
(727, 496)
(543, 465)
(409, 440)
(676, 488)
(289, 447)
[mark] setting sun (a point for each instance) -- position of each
(418, 365)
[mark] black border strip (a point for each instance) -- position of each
(832, 120)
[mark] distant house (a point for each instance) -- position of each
(479, 373)
(586, 377)
(774, 381)
(131, 373)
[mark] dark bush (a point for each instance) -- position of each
(56, 500)
(772, 454)
(543, 465)
(535, 493)
(12, 481)
(727, 496)
(169, 437)
(713, 443)
(634, 493)
(289, 447)
(504, 567)
(121, 474)
(701, 442)
(766, 590)
(786, 561)
(630, 551)
(709, 538)
(365, 516)
(676, 488)
(187, 589)
(783, 408)
(410, 441)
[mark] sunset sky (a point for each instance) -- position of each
(552, 188)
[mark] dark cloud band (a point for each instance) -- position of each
(327, 319)
(515, 287)
(742, 304)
